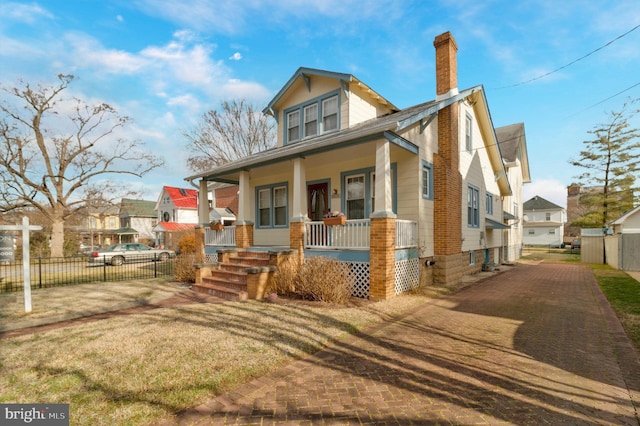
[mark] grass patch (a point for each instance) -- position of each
(623, 293)
(140, 368)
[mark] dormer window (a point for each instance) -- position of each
(330, 114)
(293, 126)
(312, 118)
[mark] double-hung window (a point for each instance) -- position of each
(473, 207)
(467, 133)
(313, 118)
(330, 114)
(272, 206)
(427, 181)
(293, 126)
(489, 204)
(355, 199)
(310, 120)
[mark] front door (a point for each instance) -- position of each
(317, 200)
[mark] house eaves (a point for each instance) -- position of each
(485, 123)
(513, 146)
(345, 80)
(625, 216)
(377, 128)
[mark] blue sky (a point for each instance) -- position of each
(165, 62)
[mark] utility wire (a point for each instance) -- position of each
(572, 62)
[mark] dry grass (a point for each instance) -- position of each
(140, 368)
(53, 303)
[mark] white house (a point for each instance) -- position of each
(421, 188)
(543, 223)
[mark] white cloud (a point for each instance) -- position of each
(21, 12)
(236, 56)
(549, 189)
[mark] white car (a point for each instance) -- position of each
(120, 253)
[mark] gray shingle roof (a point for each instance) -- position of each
(539, 203)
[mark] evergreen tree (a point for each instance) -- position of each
(610, 163)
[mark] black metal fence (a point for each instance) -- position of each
(55, 272)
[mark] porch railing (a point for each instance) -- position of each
(406, 233)
(354, 235)
(225, 237)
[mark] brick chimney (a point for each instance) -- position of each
(448, 194)
(446, 65)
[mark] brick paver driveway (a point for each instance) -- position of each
(534, 345)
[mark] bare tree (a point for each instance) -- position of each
(57, 152)
(236, 131)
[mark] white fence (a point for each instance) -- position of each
(354, 235)
(225, 237)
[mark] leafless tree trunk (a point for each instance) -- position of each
(54, 153)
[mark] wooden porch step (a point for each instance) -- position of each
(221, 291)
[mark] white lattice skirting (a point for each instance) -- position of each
(407, 275)
(360, 273)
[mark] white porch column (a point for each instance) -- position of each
(383, 192)
(203, 202)
(299, 191)
(244, 198)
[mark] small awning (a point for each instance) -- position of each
(508, 216)
(492, 224)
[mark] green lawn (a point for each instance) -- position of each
(623, 293)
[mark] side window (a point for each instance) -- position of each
(427, 181)
(489, 202)
(467, 133)
(473, 207)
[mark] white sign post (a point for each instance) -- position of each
(26, 261)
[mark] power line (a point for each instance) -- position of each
(572, 62)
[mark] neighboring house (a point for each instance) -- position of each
(223, 199)
(622, 242)
(137, 219)
(543, 223)
(421, 188)
(513, 146)
(177, 210)
(102, 224)
(628, 223)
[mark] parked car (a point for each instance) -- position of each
(575, 243)
(118, 254)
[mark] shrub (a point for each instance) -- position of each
(183, 268)
(187, 243)
(321, 279)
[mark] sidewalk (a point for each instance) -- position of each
(537, 344)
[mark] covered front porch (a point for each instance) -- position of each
(284, 194)
(349, 242)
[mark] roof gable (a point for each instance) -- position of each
(539, 203)
(141, 208)
(183, 198)
(513, 146)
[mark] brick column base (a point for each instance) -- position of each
(382, 258)
(296, 239)
(244, 235)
